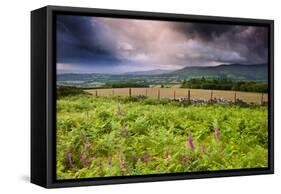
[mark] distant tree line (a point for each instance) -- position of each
(126, 85)
(63, 91)
(225, 84)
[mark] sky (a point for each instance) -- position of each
(87, 44)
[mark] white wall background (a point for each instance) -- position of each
(15, 95)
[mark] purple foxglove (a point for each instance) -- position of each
(84, 160)
(190, 143)
(217, 133)
(145, 158)
(69, 156)
(109, 160)
(202, 148)
(134, 158)
(87, 144)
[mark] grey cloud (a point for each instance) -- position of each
(134, 43)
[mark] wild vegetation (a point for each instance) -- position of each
(63, 91)
(114, 136)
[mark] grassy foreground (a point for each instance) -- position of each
(102, 136)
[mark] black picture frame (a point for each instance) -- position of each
(43, 96)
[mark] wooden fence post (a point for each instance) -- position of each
(211, 94)
(96, 93)
(130, 92)
(234, 97)
(174, 94)
(146, 92)
(158, 94)
(112, 92)
(188, 96)
(261, 98)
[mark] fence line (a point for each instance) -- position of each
(175, 93)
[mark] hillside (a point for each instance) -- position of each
(151, 72)
(257, 72)
(235, 72)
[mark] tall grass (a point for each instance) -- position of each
(104, 136)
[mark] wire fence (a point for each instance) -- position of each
(177, 93)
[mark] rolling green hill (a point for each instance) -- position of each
(256, 72)
(235, 72)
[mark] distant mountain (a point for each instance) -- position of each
(256, 72)
(151, 72)
(236, 72)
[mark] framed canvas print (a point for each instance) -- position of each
(125, 96)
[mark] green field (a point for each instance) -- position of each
(107, 136)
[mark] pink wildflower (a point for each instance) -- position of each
(202, 148)
(190, 143)
(217, 133)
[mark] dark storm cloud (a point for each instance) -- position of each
(203, 31)
(82, 40)
(250, 42)
(113, 45)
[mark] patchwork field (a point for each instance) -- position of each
(172, 93)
